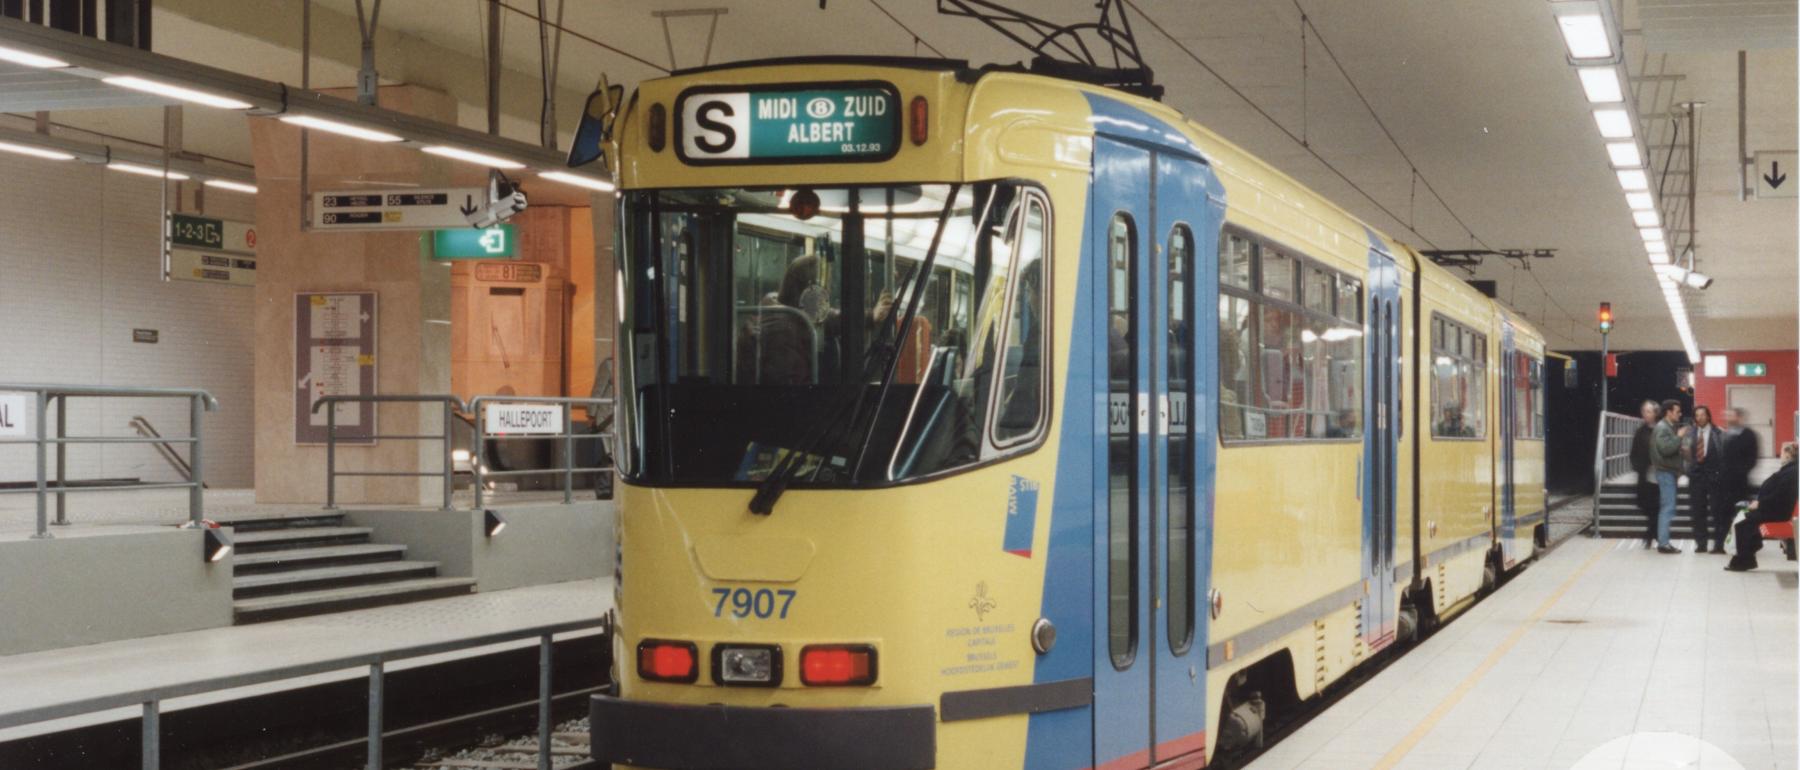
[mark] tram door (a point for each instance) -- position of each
(1154, 279)
(1381, 449)
(1509, 405)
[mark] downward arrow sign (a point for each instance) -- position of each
(1775, 177)
(468, 206)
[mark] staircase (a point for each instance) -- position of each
(1620, 517)
(288, 567)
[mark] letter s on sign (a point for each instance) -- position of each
(716, 136)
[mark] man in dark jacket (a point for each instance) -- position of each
(1703, 447)
(1647, 493)
(1774, 502)
(1741, 451)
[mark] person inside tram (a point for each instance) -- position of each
(1453, 424)
(1024, 384)
(779, 346)
(1647, 493)
(1774, 503)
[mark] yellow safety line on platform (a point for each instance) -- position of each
(1425, 726)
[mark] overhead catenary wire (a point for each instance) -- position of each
(582, 37)
(917, 39)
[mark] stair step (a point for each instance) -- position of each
(264, 539)
(258, 523)
(264, 583)
(313, 557)
(352, 597)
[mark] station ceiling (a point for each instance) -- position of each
(1477, 93)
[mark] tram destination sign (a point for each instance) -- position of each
(818, 123)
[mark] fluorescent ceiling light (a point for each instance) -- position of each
(133, 168)
(175, 92)
(1640, 201)
(17, 56)
(1657, 247)
(470, 156)
(1659, 257)
(578, 180)
(1633, 179)
(35, 152)
(1585, 34)
(1613, 123)
(1601, 84)
(1624, 154)
(1646, 218)
(341, 129)
(1651, 233)
(226, 184)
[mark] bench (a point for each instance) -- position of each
(1783, 532)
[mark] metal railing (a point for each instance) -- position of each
(142, 425)
(567, 436)
(451, 405)
(1612, 453)
(199, 402)
(150, 700)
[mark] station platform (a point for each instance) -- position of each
(1600, 655)
(65, 683)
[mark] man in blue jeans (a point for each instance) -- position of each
(1665, 459)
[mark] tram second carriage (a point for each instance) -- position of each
(978, 419)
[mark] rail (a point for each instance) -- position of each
(150, 700)
(142, 425)
(451, 405)
(199, 402)
(563, 406)
(1612, 453)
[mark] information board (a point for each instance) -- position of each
(522, 419)
(211, 250)
(334, 355)
(832, 123)
(408, 210)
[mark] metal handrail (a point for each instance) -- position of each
(1612, 453)
(451, 404)
(144, 428)
(199, 402)
(567, 436)
(150, 699)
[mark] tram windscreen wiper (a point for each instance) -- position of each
(847, 411)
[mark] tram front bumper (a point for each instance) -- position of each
(674, 736)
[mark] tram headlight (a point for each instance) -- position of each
(757, 665)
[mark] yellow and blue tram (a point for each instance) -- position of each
(972, 418)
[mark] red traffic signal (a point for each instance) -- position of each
(1606, 317)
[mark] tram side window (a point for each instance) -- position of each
(1019, 403)
(1121, 558)
(1528, 405)
(1458, 380)
(1290, 347)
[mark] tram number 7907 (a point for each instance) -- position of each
(762, 603)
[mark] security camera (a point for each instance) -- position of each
(504, 199)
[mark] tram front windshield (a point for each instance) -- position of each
(763, 322)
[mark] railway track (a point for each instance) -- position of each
(569, 750)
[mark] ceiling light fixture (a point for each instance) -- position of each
(175, 92)
(35, 152)
(1646, 218)
(1586, 35)
(1656, 247)
(341, 129)
(1624, 155)
(1634, 179)
(578, 180)
(133, 168)
(17, 56)
(1613, 123)
(1640, 201)
(226, 184)
(1601, 84)
(470, 156)
(1651, 233)
(1659, 257)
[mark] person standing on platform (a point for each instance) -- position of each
(1739, 451)
(1665, 458)
(1647, 494)
(1703, 449)
(1774, 502)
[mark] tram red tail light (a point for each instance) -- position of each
(919, 128)
(837, 665)
(666, 661)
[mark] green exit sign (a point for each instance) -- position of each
(1752, 370)
(497, 242)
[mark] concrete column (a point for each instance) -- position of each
(413, 333)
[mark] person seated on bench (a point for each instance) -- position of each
(1774, 502)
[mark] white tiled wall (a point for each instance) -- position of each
(79, 270)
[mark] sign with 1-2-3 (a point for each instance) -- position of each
(497, 242)
(1774, 174)
(817, 123)
(523, 419)
(413, 209)
(211, 250)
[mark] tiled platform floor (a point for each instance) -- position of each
(40, 679)
(1601, 655)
